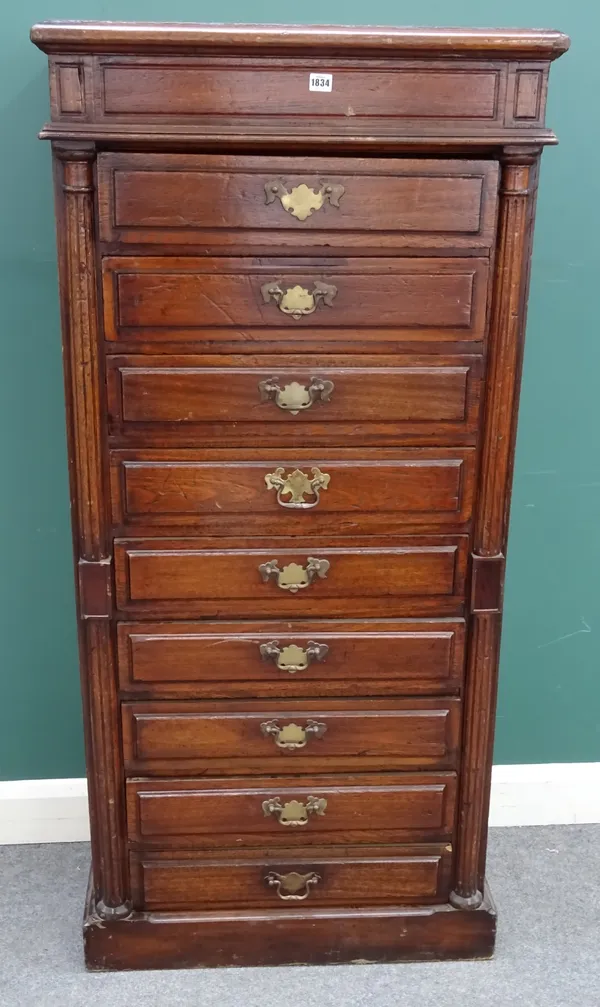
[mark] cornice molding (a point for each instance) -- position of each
(138, 37)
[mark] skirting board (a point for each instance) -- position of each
(564, 793)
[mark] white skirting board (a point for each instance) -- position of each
(563, 793)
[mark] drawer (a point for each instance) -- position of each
(321, 877)
(235, 89)
(223, 578)
(170, 739)
(184, 401)
(225, 201)
(331, 492)
(186, 659)
(209, 813)
(396, 94)
(238, 300)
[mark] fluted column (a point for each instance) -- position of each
(83, 364)
(507, 324)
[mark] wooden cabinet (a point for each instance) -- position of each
(293, 327)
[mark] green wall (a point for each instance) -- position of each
(550, 686)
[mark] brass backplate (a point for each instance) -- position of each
(296, 486)
(292, 736)
(293, 812)
(292, 658)
(301, 201)
(293, 578)
(297, 301)
(290, 886)
(294, 397)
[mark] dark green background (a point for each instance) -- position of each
(550, 682)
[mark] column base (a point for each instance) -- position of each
(288, 937)
(113, 912)
(466, 902)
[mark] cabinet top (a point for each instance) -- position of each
(167, 38)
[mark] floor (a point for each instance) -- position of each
(546, 882)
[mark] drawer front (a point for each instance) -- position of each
(331, 492)
(171, 739)
(363, 809)
(181, 576)
(191, 299)
(368, 876)
(181, 400)
(171, 660)
(224, 201)
(253, 96)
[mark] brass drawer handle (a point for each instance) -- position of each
(295, 397)
(302, 200)
(298, 301)
(294, 577)
(296, 485)
(292, 736)
(294, 812)
(293, 885)
(292, 658)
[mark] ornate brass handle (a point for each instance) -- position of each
(292, 736)
(302, 200)
(292, 658)
(294, 812)
(293, 885)
(295, 397)
(296, 485)
(294, 577)
(298, 301)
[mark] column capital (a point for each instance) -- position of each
(74, 150)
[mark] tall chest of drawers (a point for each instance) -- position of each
(293, 270)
